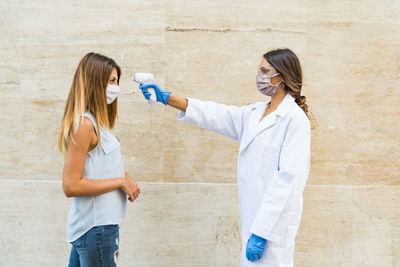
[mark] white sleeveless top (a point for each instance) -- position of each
(110, 208)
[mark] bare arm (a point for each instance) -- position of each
(177, 102)
(74, 185)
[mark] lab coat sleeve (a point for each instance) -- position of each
(274, 215)
(223, 119)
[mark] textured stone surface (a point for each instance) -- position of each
(208, 50)
(170, 225)
(177, 224)
(349, 226)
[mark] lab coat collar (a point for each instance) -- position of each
(285, 105)
(258, 126)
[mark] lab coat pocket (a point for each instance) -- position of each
(269, 154)
(288, 238)
(268, 160)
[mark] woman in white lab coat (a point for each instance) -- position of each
(274, 155)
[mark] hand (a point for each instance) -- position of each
(130, 187)
(161, 95)
(255, 247)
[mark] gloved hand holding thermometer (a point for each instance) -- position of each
(151, 91)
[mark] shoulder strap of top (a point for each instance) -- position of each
(90, 116)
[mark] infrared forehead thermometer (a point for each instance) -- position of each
(146, 78)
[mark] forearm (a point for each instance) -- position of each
(87, 187)
(177, 102)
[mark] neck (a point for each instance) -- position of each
(278, 97)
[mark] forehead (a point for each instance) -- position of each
(264, 63)
(114, 73)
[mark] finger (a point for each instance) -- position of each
(253, 258)
(144, 91)
(149, 85)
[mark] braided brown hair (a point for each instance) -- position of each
(287, 64)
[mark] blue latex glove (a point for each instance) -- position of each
(255, 247)
(161, 95)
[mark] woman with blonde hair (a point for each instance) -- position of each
(93, 170)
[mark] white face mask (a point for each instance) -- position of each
(112, 92)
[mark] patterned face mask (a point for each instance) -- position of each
(264, 85)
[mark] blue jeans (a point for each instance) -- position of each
(98, 247)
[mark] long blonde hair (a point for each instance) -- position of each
(88, 94)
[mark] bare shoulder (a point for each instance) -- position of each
(82, 134)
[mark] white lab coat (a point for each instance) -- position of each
(273, 167)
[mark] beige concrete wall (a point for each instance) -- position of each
(187, 214)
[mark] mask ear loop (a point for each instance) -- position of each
(279, 83)
(270, 76)
(274, 75)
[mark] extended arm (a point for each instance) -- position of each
(223, 119)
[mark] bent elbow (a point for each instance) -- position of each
(71, 187)
(68, 191)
